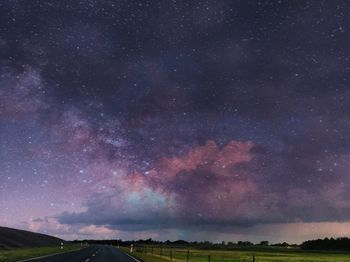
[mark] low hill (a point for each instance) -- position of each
(14, 238)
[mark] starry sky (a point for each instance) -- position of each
(197, 120)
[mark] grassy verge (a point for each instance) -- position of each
(144, 256)
(25, 253)
(196, 255)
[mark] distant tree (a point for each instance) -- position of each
(244, 243)
(284, 244)
(264, 243)
(342, 243)
(180, 242)
(145, 241)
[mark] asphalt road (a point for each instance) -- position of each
(94, 253)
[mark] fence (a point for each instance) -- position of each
(182, 254)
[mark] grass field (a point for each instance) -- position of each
(24, 253)
(280, 255)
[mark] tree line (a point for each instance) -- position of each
(341, 243)
(183, 243)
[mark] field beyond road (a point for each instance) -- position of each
(156, 254)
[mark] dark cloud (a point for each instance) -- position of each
(214, 188)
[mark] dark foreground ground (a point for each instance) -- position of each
(94, 253)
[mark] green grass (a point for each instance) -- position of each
(24, 253)
(278, 254)
(144, 256)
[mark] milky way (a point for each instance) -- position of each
(218, 120)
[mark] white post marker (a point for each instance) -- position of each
(131, 246)
(61, 245)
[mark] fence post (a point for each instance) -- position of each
(171, 253)
(188, 255)
(208, 258)
(152, 250)
(253, 258)
(161, 251)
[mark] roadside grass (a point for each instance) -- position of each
(144, 256)
(25, 253)
(197, 255)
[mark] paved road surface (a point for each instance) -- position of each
(94, 253)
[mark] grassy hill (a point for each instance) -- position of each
(14, 238)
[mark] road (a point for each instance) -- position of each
(94, 253)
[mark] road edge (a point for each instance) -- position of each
(134, 258)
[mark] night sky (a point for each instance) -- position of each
(197, 120)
